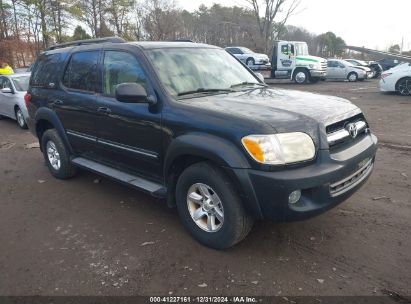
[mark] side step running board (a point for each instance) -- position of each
(134, 181)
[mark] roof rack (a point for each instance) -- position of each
(87, 41)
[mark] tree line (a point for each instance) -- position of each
(30, 26)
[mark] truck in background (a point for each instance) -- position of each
(291, 60)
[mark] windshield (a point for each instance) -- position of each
(301, 49)
(195, 70)
(347, 63)
(246, 51)
(21, 83)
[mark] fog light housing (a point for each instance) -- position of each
(294, 197)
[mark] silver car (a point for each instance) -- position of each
(12, 90)
(343, 70)
(250, 58)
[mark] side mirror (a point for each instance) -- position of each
(260, 76)
(7, 90)
(132, 93)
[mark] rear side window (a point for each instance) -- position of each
(81, 72)
(45, 71)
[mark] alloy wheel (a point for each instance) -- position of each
(300, 77)
(404, 87)
(20, 118)
(205, 207)
(53, 155)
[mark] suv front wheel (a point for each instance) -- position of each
(210, 208)
(56, 155)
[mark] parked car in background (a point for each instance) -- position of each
(397, 79)
(12, 90)
(375, 67)
(363, 65)
(344, 70)
(249, 57)
(387, 63)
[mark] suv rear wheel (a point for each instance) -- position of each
(210, 208)
(56, 155)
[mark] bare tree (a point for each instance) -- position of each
(266, 12)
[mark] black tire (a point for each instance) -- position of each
(250, 62)
(299, 78)
(21, 122)
(403, 86)
(352, 77)
(66, 169)
(236, 223)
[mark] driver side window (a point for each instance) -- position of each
(287, 49)
(120, 67)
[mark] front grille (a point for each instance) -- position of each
(324, 65)
(353, 180)
(338, 132)
(341, 124)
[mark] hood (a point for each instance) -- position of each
(260, 55)
(279, 108)
(366, 69)
(311, 58)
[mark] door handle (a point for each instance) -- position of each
(104, 110)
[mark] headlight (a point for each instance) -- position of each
(279, 149)
(311, 66)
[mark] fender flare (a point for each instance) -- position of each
(216, 149)
(50, 116)
(224, 154)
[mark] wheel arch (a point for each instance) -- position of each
(192, 148)
(47, 119)
(398, 81)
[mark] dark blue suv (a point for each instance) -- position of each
(189, 123)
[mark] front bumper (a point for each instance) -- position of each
(318, 73)
(323, 184)
(386, 85)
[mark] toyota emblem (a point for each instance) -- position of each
(352, 130)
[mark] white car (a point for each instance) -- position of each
(343, 70)
(12, 90)
(248, 57)
(397, 79)
(363, 65)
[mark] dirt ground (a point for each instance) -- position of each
(91, 236)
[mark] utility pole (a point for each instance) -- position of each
(402, 45)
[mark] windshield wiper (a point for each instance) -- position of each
(246, 83)
(203, 90)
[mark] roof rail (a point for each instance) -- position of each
(87, 41)
(182, 40)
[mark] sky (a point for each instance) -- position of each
(375, 24)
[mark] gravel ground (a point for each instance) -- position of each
(91, 236)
